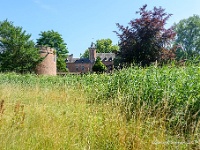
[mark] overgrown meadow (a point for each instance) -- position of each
(135, 108)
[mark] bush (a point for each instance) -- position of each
(99, 67)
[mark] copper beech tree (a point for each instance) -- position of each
(145, 39)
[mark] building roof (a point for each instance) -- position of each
(70, 59)
(106, 56)
(82, 60)
(103, 57)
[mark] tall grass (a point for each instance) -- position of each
(135, 108)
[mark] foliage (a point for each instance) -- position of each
(85, 54)
(168, 55)
(54, 40)
(99, 67)
(188, 37)
(17, 51)
(103, 46)
(170, 89)
(135, 108)
(143, 41)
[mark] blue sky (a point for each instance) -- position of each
(81, 22)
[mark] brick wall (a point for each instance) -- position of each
(79, 67)
(48, 65)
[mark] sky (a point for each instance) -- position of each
(81, 22)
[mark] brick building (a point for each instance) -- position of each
(84, 65)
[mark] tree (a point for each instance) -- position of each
(143, 41)
(103, 46)
(17, 51)
(85, 54)
(188, 37)
(54, 40)
(99, 67)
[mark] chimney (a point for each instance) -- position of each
(70, 57)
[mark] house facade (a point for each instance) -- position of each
(84, 65)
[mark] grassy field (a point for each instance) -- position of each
(135, 108)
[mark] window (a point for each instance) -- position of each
(83, 68)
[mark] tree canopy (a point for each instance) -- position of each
(17, 51)
(54, 40)
(143, 41)
(103, 46)
(188, 37)
(99, 67)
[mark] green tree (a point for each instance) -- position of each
(85, 54)
(54, 40)
(99, 67)
(143, 41)
(188, 37)
(17, 51)
(103, 46)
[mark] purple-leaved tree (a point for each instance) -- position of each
(145, 39)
